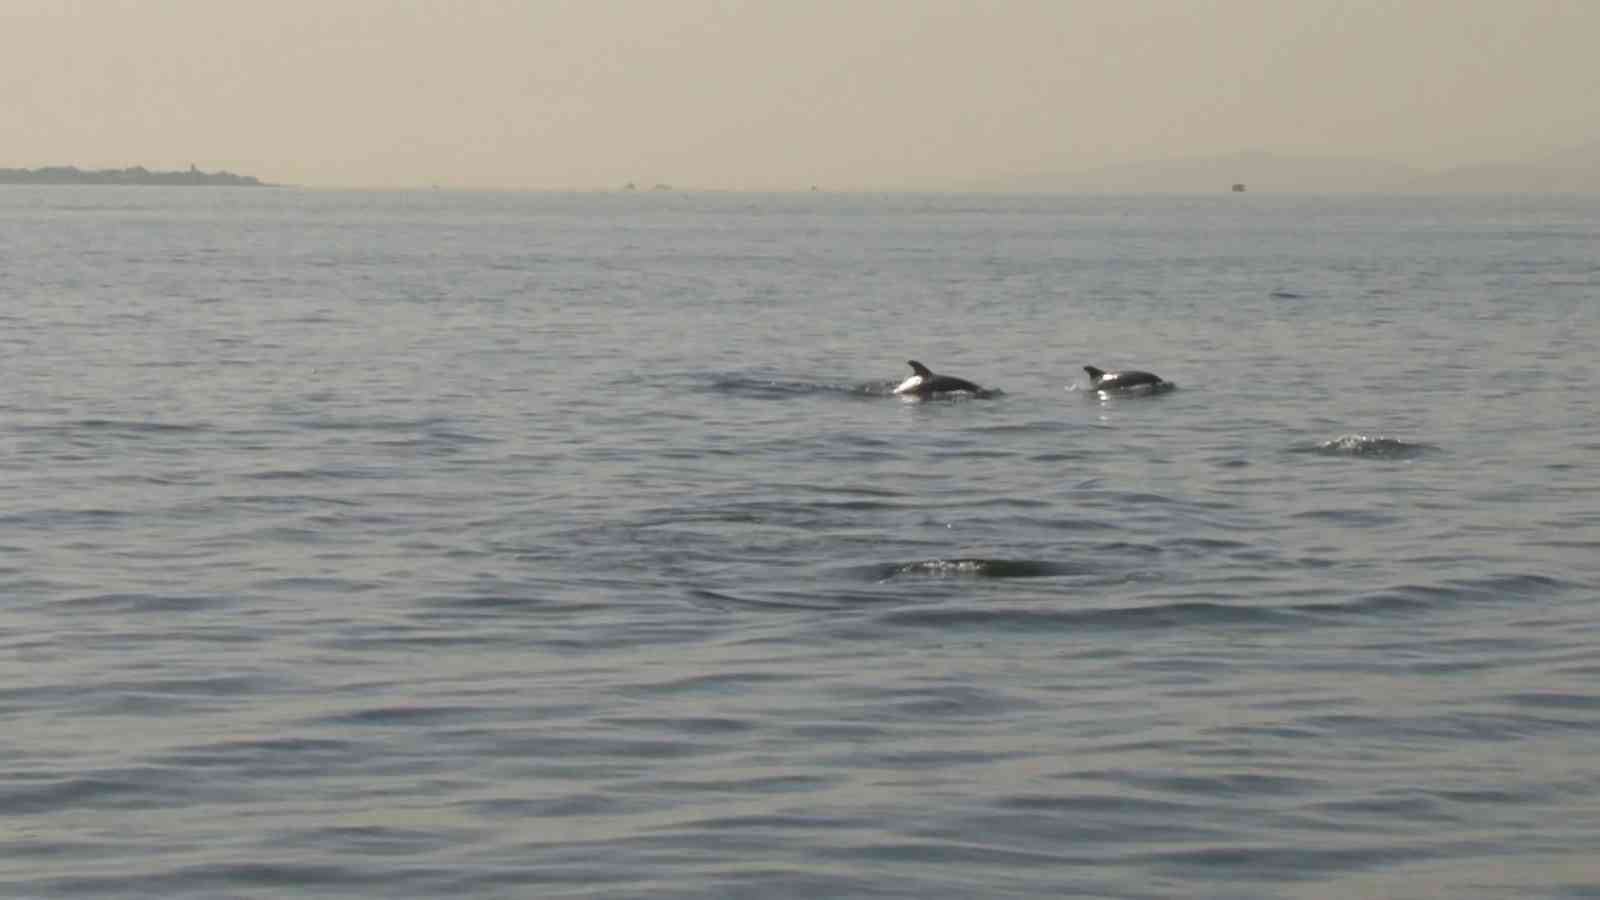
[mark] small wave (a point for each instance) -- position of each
(1386, 604)
(949, 396)
(123, 427)
(1136, 391)
(1368, 446)
(374, 423)
(815, 513)
(1023, 429)
(1357, 518)
(141, 603)
(784, 389)
(1287, 295)
(320, 473)
(120, 790)
(723, 600)
(1161, 616)
(401, 716)
(1419, 599)
(848, 489)
(1402, 602)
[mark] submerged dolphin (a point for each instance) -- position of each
(925, 382)
(1101, 380)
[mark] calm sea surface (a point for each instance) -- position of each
(420, 545)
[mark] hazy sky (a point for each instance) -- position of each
(763, 94)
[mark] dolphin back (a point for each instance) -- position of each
(924, 383)
(945, 384)
(1128, 378)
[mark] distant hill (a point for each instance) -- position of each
(135, 175)
(1575, 170)
(1217, 174)
(1506, 178)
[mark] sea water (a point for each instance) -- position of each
(386, 545)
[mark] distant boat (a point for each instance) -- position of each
(1238, 187)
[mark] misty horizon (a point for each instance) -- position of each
(707, 95)
(1574, 170)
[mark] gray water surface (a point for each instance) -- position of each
(362, 545)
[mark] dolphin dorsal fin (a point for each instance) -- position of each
(1094, 374)
(919, 368)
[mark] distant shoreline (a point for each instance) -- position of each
(137, 175)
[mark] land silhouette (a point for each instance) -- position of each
(137, 175)
(1574, 170)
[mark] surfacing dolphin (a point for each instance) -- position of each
(924, 383)
(1101, 380)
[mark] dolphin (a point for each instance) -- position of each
(924, 382)
(1101, 380)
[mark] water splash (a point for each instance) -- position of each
(1369, 446)
(972, 567)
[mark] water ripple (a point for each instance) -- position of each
(431, 544)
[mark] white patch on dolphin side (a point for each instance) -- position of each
(910, 384)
